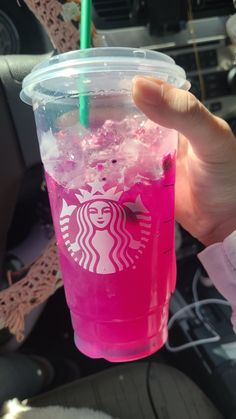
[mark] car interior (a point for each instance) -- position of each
(38, 358)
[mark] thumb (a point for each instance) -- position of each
(211, 137)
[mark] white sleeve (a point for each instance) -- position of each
(219, 260)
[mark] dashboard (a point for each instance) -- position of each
(203, 48)
(20, 32)
(9, 37)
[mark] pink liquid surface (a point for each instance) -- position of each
(118, 301)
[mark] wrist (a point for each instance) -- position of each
(219, 234)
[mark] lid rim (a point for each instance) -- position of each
(98, 60)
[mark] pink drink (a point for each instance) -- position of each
(116, 249)
(110, 175)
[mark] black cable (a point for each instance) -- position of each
(149, 392)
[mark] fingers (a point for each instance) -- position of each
(175, 108)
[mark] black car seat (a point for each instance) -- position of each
(135, 391)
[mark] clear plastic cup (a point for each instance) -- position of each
(110, 175)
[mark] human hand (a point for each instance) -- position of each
(206, 163)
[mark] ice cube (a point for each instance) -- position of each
(48, 146)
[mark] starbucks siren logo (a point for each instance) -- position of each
(103, 243)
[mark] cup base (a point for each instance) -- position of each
(121, 341)
(122, 353)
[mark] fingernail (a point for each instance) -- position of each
(147, 90)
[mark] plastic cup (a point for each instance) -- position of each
(111, 190)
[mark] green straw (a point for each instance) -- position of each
(85, 42)
(85, 24)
